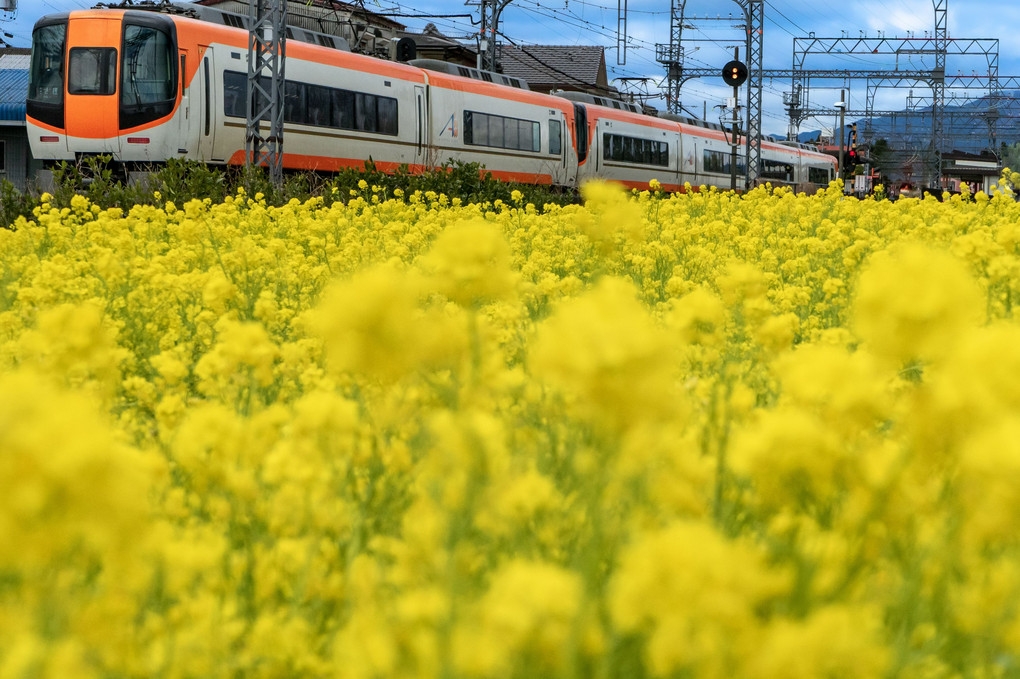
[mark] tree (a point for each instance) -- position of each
(882, 158)
(1010, 156)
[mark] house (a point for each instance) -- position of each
(979, 171)
(16, 163)
(431, 44)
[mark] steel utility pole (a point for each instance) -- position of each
(267, 51)
(491, 10)
(842, 126)
(621, 32)
(9, 8)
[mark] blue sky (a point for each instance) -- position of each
(587, 22)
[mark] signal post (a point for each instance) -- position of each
(734, 73)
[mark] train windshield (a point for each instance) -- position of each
(46, 74)
(92, 70)
(148, 74)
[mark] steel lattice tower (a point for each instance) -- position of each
(938, 89)
(267, 51)
(672, 56)
(754, 11)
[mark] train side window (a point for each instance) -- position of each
(483, 129)
(366, 116)
(387, 107)
(513, 132)
(317, 101)
(635, 150)
(496, 132)
(316, 105)
(92, 70)
(715, 161)
(818, 175)
(555, 138)
(235, 94)
(342, 114)
(234, 90)
(294, 109)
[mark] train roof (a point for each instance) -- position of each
(218, 16)
(608, 102)
(468, 72)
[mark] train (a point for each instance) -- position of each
(146, 85)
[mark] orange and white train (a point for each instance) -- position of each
(146, 86)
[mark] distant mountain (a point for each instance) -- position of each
(965, 125)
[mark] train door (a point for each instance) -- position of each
(92, 111)
(421, 141)
(205, 97)
(564, 172)
(689, 163)
(678, 175)
(187, 111)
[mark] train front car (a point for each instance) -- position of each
(104, 82)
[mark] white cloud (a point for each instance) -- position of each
(878, 16)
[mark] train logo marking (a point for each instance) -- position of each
(451, 126)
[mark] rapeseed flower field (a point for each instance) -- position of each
(708, 436)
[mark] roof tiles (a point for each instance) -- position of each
(569, 66)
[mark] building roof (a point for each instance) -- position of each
(15, 57)
(13, 92)
(431, 43)
(430, 35)
(570, 67)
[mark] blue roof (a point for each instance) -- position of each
(13, 92)
(12, 112)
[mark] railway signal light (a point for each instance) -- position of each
(734, 73)
(407, 49)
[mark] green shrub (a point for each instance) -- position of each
(180, 180)
(14, 204)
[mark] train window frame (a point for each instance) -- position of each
(348, 110)
(149, 41)
(581, 132)
(318, 105)
(555, 138)
(813, 175)
(294, 107)
(496, 131)
(778, 170)
(46, 74)
(718, 162)
(105, 61)
(623, 148)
